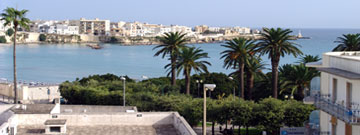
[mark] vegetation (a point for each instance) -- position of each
(348, 42)
(15, 18)
(10, 32)
(237, 53)
(2, 39)
(267, 114)
(276, 43)
(113, 40)
(171, 43)
(190, 59)
(42, 37)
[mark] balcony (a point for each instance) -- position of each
(338, 110)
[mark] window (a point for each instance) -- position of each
(55, 129)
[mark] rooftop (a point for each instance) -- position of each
(340, 72)
(105, 130)
(55, 122)
(353, 55)
(33, 109)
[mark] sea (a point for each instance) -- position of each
(56, 63)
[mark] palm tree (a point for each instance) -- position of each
(190, 59)
(171, 43)
(238, 51)
(276, 43)
(15, 18)
(349, 42)
(253, 67)
(309, 58)
(296, 78)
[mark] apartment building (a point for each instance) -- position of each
(95, 27)
(201, 28)
(338, 99)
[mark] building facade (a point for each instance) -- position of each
(95, 27)
(338, 99)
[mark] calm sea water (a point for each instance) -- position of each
(57, 63)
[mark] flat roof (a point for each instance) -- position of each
(340, 72)
(106, 130)
(353, 55)
(94, 109)
(55, 122)
(33, 109)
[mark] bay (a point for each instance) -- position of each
(55, 63)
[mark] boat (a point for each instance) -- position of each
(94, 46)
(299, 36)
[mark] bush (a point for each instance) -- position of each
(2, 39)
(113, 40)
(42, 37)
(10, 32)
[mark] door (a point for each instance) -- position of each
(348, 95)
(348, 129)
(334, 90)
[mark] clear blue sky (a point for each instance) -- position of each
(250, 13)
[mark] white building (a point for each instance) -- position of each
(135, 29)
(63, 29)
(95, 27)
(242, 30)
(338, 99)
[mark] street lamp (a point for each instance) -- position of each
(198, 82)
(124, 79)
(210, 87)
(231, 78)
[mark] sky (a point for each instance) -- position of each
(247, 13)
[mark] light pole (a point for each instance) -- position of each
(210, 87)
(231, 78)
(198, 82)
(124, 79)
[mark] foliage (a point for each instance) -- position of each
(42, 37)
(309, 58)
(147, 96)
(238, 52)
(171, 44)
(113, 40)
(276, 43)
(224, 86)
(189, 59)
(348, 42)
(2, 39)
(10, 32)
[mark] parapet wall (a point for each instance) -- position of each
(113, 119)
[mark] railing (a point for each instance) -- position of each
(340, 111)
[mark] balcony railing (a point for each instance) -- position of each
(340, 111)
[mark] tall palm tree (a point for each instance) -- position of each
(296, 78)
(276, 43)
(171, 43)
(15, 18)
(253, 67)
(189, 59)
(309, 58)
(349, 42)
(235, 56)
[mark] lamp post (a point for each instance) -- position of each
(198, 82)
(210, 87)
(231, 78)
(124, 79)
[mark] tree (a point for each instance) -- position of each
(2, 39)
(171, 43)
(10, 32)
(296, 78)
(190, 59)
(42, 37)
(235, 56)
(349, 42)
(15, 18)
(309, 58)
(296, 113)
(270, 115)
(276, 43)
(253, 67)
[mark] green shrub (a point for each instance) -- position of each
(42, 37)
(2, 39)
